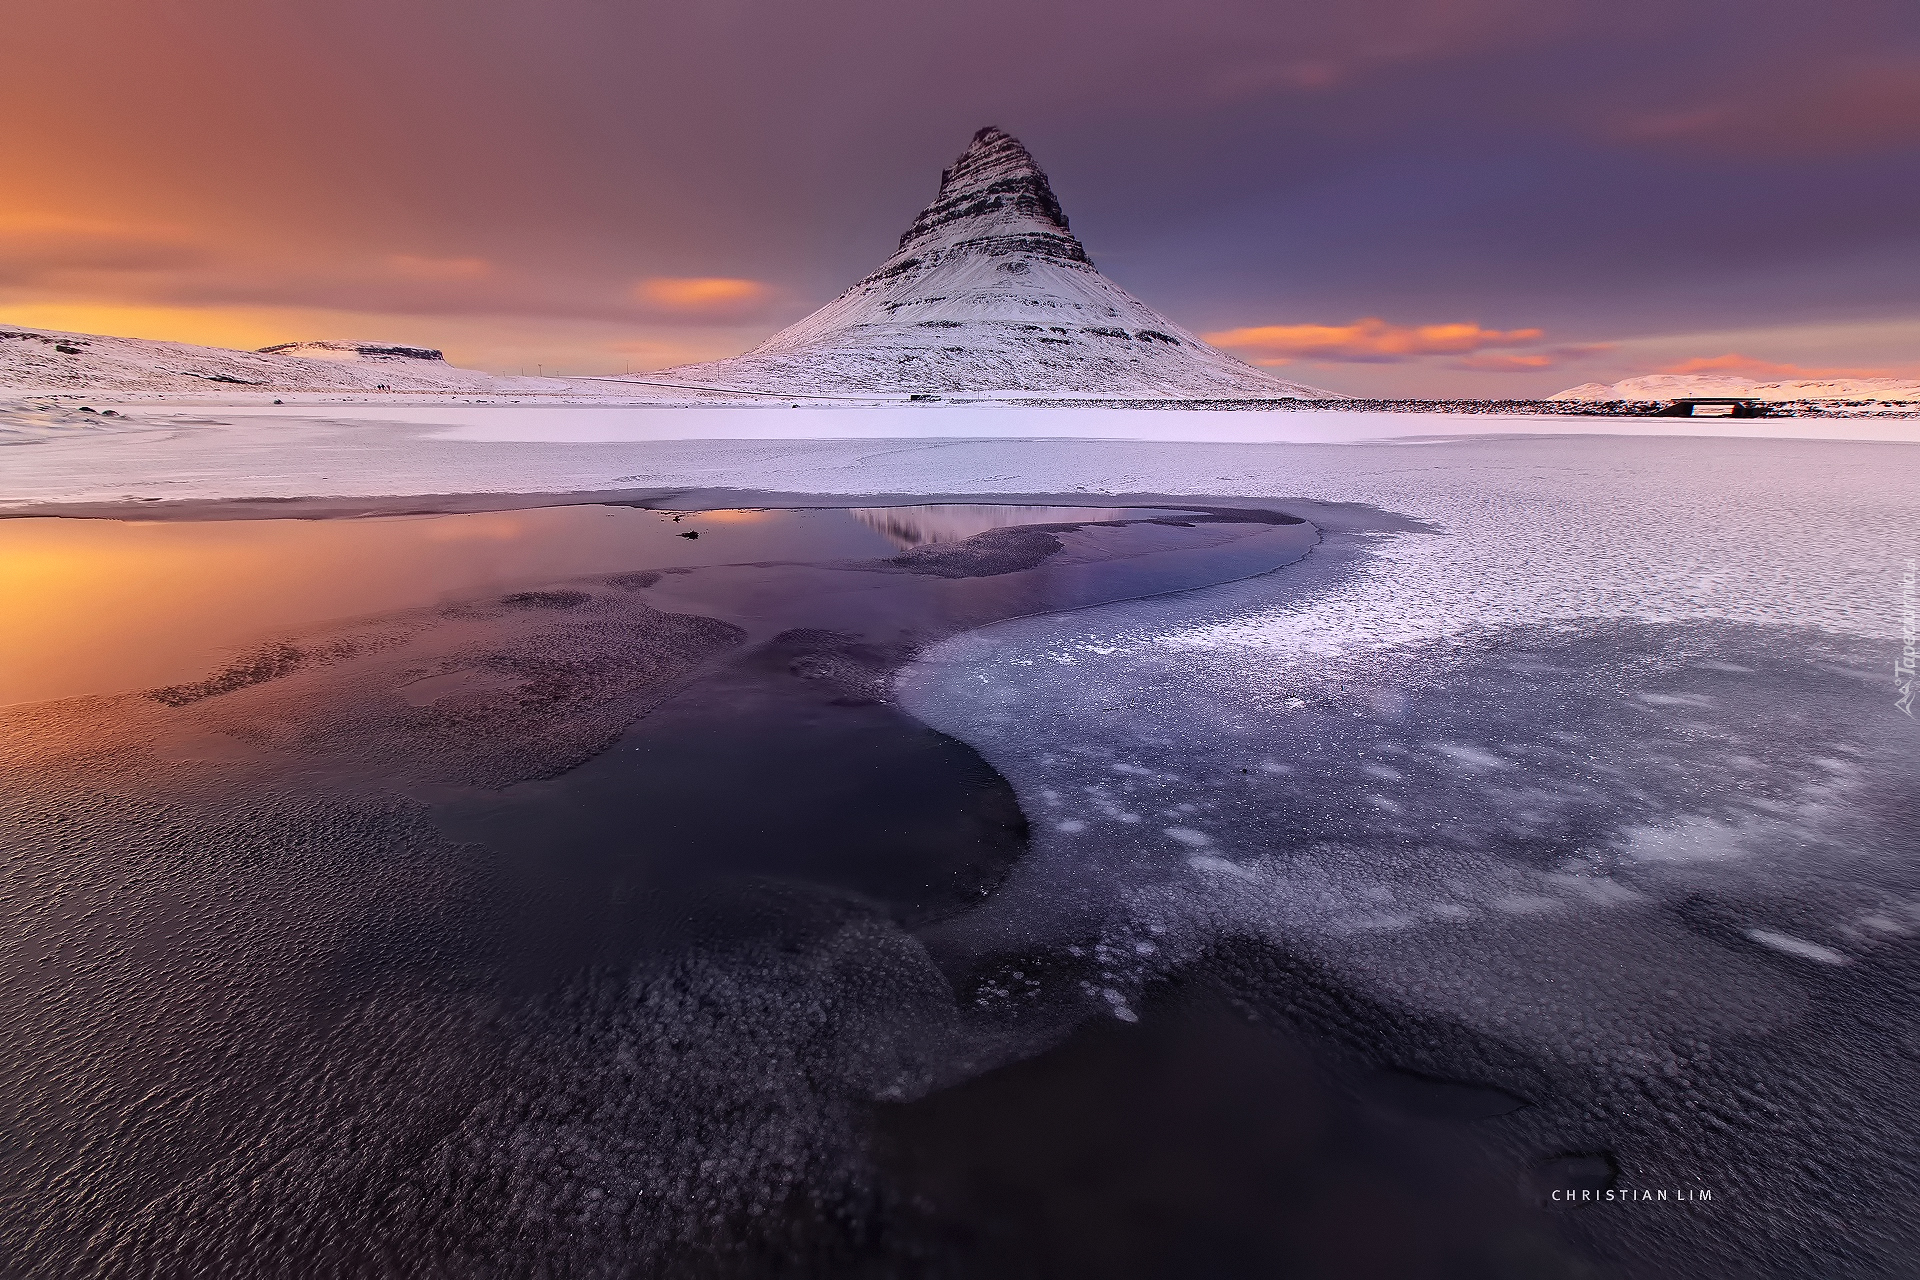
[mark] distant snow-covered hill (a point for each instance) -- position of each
(989, 291)
(1675, 386)
(37, 360)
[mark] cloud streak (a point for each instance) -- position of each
(1750, 367)
(52, 262)
(53, 251)
(412, 267)
(1849, 106)
(1369, 340)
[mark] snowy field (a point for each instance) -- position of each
(213, 450)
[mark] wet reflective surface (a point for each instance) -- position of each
(101, 606)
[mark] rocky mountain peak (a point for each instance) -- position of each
(994, 198)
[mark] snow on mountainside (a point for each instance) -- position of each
(1675, 386)
(47, 360)
(989, 291)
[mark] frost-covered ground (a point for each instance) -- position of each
(1596, 792)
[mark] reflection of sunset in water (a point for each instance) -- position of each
(95, 605)
(105, 606)
(98, 606)
(489, 527)
(738, 515)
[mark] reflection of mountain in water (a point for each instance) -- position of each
(908, 527)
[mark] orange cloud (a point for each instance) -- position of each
(701, 295)
(409, 267)
(1749, 367)
(1370, 340)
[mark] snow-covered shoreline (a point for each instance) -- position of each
(1677, 386)
(147, 453)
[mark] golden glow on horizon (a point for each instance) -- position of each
(205, 326)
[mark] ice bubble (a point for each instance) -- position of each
(1675, 699)
(1207, 862)
(1790, 945)
(1473, 759)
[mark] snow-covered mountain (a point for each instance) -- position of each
(1675, 386)
(989, 291)
(48, 360)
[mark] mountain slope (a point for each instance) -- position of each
(990, 291)
(49, 360)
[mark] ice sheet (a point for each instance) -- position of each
(1594, 792)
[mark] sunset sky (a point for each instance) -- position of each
(1485, 197)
